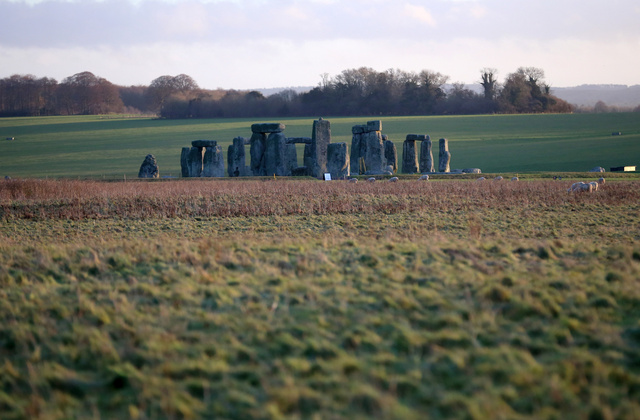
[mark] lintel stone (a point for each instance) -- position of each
(204, 143)
(267, 128)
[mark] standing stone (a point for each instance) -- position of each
(213, 162)
(410, 163)
(258, 146)
(149, 168)
(236, 159)
(291, 159)
(445, 156)
(374, 152)
(184, 162)
(307, 159)
(390, 154)
(356, 149)
(194, 161)
(426, 156)
(275, 154)
(338, 160)
(320, 140)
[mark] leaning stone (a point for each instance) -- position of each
(267, 128)
(597, 169)
(194, 162)
(409, 157)
(213, 162)
(390, 154)
(184, 162)
(338, 160)
(204, 143)
(445, 156)
(426, 156)
(149, 168)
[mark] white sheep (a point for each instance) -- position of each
(394, 179)
(372, 179)
(498, 178)
(601, 181)
(515, 178)
(582, 187)
(594, 185)
(353, 180)
(481, 178)
(424, 178)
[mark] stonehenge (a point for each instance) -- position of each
(271, 153)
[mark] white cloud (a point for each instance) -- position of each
(420, 14)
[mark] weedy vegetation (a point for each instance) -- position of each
(301, 299)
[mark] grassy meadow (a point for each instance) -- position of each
(274, 299)
(112, 147)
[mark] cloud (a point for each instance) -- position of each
(420, 14)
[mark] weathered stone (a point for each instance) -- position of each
(184, 162)
(471, 171)
(236, 158)
(149, 168)
(307, 159)
(338, 160)
(267, 128)
(291, 157)
(204, 143)
(258, 146)
(374, 125)
(320, 140)
(426, 156)
(356, 152)
(358, 129)
(410, 163)
(445, 156)
(299, 171)
(373, 151)
(194, 161)
(213, 162)
(299, 140)
(390, 154)
(275, 155)
(417, 137)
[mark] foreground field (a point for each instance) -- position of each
(292, 299)
(97, 147)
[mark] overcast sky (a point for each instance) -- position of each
(245, 44)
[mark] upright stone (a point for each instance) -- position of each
(391, 154)
(410, 163)
(258, 146)
(445, 156)
(338, 160)
(275, 154)
(374, 152)
(184, 162)
(426, 156)
(320, 140)
(307, 159)
(196, 155)
(213, 162)
(356, 149)
(236, 159)
(149, 168)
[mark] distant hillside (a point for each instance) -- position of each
(588, 95)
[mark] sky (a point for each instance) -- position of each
(252, 44)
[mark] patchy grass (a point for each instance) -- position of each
(407, 300)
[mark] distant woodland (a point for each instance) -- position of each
(361, 91)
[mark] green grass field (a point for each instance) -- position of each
(303, 299)
(112, 147)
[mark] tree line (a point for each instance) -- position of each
(362, 91)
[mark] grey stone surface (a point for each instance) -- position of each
(338, 164)
(373, 151)
(299, 140)
(445, 156)
(358, 129)
(390, 154)
(426, 156)
(275, 155)
(213, 162)
(149, 168)
(320, 140)
(204, 143)
(194, 161)
(307, 160)
(267, 128)
(410, 163)
(356, 152)
(258, 146)
(417, 137)
(184, 162)
(374, 125)
(291, 156)
(236, 157)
